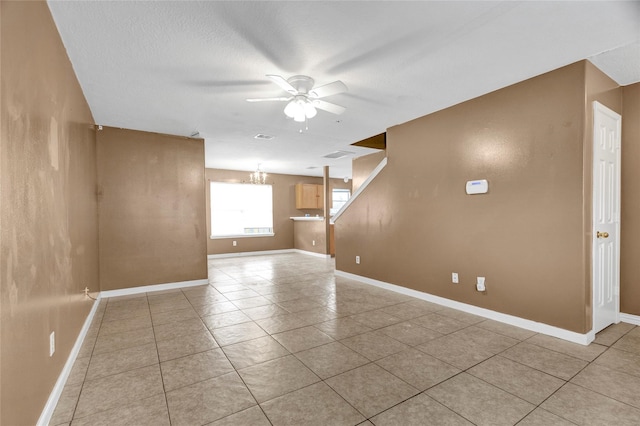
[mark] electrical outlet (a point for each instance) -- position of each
(52, 343)
(357, 260)
(86, 291)
(313, 242)
(235, 243)
(454, 277)
(480, 284)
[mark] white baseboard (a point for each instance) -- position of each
(249, 253)
(54, 396)
(265, 252)
(152, 288)
(311, 253)
(630, 319)
(538, 327)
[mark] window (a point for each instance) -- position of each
(338, 199)
(241, 210)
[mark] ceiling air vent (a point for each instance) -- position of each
(263, 137)
(338, 154)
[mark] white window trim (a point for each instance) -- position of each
(224, 237)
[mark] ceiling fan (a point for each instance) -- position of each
(303, 98)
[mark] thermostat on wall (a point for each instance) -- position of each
(477, 186)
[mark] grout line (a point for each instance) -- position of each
(337, 289)
(155, 341)
(95, 341)
(91, 356)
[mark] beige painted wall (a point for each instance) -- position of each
(527, 136)
(152, 208)
(284, 207)
(48, 210)
(306, 232)
(630, 217)
(362, 167)
(526, 236)
(340, 184)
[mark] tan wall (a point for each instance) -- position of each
(307, 232)
(49, 247)
(152, 208)
(340, 184)
(630, 217)
(284, 207)
(526, 236)
(362, 167)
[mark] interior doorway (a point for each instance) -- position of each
(606, 217)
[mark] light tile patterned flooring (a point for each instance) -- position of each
(280, 340)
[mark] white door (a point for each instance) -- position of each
(606, 216)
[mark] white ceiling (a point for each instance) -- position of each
(180, 67)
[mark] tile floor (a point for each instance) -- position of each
(280, 340)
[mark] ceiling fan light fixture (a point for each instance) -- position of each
(300, 109)
(299, 118)
(309, 110)
(292, 109)
(305, 100)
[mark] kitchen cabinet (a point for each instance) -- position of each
(309, 196)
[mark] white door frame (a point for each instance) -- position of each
(598, 111)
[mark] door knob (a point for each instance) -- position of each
(602, 234)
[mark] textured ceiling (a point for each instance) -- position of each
(184, 66)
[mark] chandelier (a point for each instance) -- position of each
(258, 177)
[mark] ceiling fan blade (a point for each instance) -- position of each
(284, 84)
(328, 89)
(269, 99)
(328, 106)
